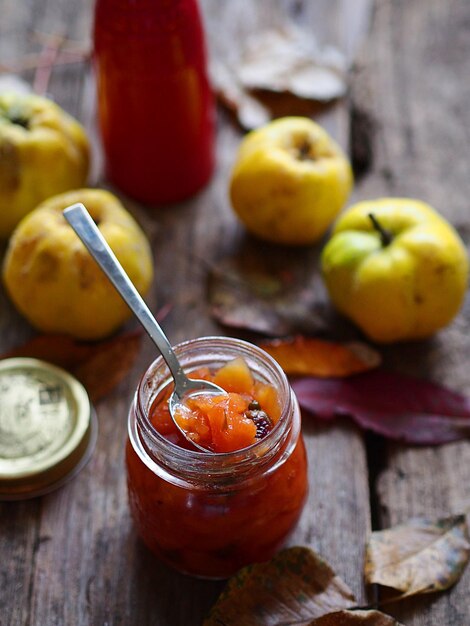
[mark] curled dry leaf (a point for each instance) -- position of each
(421, 556)
(284, 61)
(100, 366)
(250, 111)
(295, 587)
(393, 405)
(304, 356)
(355, 618)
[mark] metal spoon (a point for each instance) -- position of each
(82, 223)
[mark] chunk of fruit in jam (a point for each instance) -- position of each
(222, 423)
(235, 376)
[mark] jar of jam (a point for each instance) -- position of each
(209, 514)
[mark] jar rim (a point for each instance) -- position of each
(214, 461)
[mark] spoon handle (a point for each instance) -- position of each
(82, 223)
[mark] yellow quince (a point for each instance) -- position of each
(289, 182)
(55, 283)
(43, 152)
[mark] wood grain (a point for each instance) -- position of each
(72, 557)
(410, 86)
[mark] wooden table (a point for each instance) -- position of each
(72, 557)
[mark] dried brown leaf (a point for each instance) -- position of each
(103, 371)
(284, 62)
(100, 366)
(421, 556)
(250, 111)
(245, 294)
(57, 349)
(295, 587)
(305, 356)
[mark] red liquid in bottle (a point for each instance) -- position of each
(156, 107)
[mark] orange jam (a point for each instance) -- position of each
(221, 423)
(210, 514)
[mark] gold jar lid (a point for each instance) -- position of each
(47, 427)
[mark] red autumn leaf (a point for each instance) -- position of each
(355, 618)
(315, 357)
(100, 366)
(394, 405)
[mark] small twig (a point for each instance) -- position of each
(46, 39)
(56, 50)
(43, 72)
(34, 61)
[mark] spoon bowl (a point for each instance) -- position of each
(82, 223)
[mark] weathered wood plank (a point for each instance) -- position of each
(72, 557)
(35, 551)
(411, 84)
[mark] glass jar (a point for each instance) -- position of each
(155, 104)
(209, 514)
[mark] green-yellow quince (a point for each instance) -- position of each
(396, 268)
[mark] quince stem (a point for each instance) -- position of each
(386, 236)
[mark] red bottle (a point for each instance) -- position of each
(156, 107)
